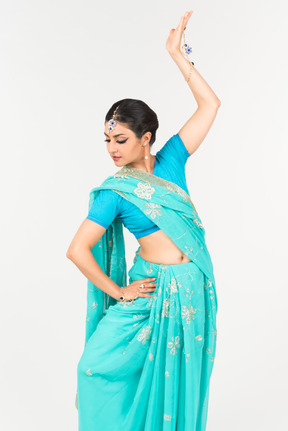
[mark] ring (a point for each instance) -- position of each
(142, 285)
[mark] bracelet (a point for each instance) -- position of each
(191, 67)
(186, 49)
(122, 297)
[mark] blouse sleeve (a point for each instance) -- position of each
(105, 208)
(175, 150)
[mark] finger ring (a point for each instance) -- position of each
(142, 285)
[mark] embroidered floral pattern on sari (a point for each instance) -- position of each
(188, 313)
(144, 190)
(120, 176)
(152, 209)
(145, 176)
(144, 334)
(173, 285)
(174, 345)
(165, 307)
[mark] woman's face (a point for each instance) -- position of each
(123, 143)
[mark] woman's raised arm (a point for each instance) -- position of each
(196, 128)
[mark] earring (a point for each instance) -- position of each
(146, 157)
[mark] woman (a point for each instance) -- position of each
(150, 345)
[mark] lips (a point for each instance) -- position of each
(116, 158)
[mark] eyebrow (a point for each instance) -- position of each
(114, 136)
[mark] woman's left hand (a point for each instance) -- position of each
(175, 35)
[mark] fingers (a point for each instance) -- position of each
(147, 281)
(184, 20)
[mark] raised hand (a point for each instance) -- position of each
(173, 43)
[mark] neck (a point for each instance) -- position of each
(146, 167)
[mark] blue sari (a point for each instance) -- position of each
(147, 364)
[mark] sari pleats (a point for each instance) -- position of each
(148, 364)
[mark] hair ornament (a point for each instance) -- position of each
(112, 123)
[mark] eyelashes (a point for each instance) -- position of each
(119, 142)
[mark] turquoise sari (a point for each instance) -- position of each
(146, 365)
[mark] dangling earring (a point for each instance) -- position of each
(146, 157)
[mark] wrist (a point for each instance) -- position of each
(121, 293)
(176, 54)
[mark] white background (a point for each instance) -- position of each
(63, 64)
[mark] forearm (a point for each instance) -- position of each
(85, 261)
(201, 90)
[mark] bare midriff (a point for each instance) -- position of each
(159, 248)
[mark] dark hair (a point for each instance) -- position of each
(137, 116)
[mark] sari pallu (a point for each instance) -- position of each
(135, 377)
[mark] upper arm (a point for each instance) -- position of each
(88, 234)
(103, 211)
(196, 128)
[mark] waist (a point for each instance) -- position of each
(160, 249)
(165, 258)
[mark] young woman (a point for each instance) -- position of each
(150, 344)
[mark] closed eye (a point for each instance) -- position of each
(119, 142)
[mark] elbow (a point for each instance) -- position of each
(71, 253)
(75, 253)
(217, 103)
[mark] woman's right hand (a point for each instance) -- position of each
(131, 290)
(174, 40)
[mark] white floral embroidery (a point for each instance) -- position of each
(165, 307)
(188, 313)
(151, 357)
(144, 334)
(173, 286)
(152, 209)
(198, 223)
(174, 344)
(167, 417)
(94, 305)
(88, 372)
(149, 270)
(120, 176)
(199, 337)
(166, 373)
(144, 190)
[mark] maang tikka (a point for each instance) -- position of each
(112, 123)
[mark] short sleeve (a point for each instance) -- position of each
(174, 150)
(105, 208)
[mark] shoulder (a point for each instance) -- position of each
(110, 199)
(174, 149)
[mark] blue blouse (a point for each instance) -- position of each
(170, 163)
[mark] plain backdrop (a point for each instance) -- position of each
(63, 64)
